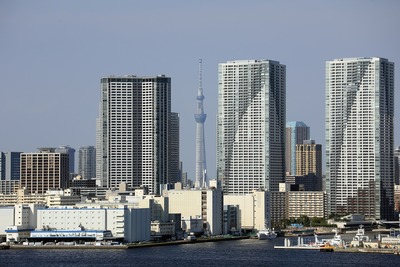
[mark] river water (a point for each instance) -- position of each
(248, 252)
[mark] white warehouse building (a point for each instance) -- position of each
(129, 224)
(18, 220)
(125, 223)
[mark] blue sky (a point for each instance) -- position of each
(53, 54)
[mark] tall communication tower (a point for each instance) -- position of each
(201, 167)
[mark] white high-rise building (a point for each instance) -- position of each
(251, 125)
(134, 132)
(359, 136)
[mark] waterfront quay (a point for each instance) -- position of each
(345, 250)
(361, 242)
(127, 246)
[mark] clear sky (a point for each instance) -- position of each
(53, 54)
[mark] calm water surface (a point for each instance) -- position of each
(249, 252)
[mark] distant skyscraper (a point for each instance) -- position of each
(134, 132)
(173, 150)
(10, 165)
(87, 162)
(251, 125)
(296, 133)
(359, 136)
(200, 116)
(309, 159)
(397, 165)
(44, 170)
(71, 153)
(2, 166)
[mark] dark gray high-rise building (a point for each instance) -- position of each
(87, 162)
(135, 131)
(173, 150)
(397, 165)
(71, 154)
(10, 165)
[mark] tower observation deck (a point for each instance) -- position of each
(200, 117)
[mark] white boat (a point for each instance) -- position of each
(360, 236)
(317, 242)
(336, 241)
(266, 234)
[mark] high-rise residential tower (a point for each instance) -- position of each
(200, 117)
(359, 136)
(134, 132)
(309, 159)
(87, 162)
(251, 125)
(296, 133)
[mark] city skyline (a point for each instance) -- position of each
(52, 59)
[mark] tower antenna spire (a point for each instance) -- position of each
(200, 117)
(201, 74)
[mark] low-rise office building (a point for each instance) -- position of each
(162, 229)
(193, 225)
(306, 203)
(22, 197)
(254, 209)
(8, 187)
(231, 219)
(50, 198)
(206, 203)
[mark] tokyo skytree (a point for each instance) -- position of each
(200, 117)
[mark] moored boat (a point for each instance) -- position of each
(327, 248)
(266, 233)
